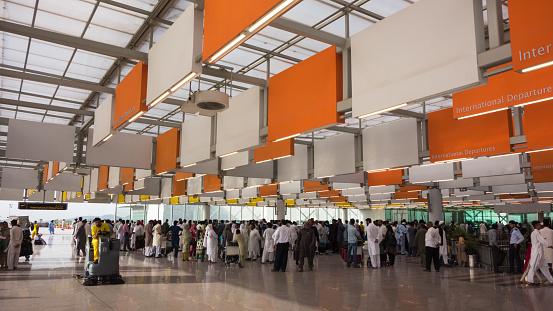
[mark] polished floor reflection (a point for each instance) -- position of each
(47, 282)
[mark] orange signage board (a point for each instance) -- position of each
(55, 168)
(303, 97)
(450, 139)
(531, 27)
(130, 96)
(385, 178)
(503, 91)
(274, 150)
(542, 166)
(128, 186)
(227, 21)
(212, 183)
(45, 174)
(538, 119)
(127, 176)
(167, 151)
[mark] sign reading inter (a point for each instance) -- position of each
(43, 206)
(531, 26)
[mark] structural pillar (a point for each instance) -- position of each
(206, 211)
(281, 209)
(435, 205)
(345, 215)
(541, 216)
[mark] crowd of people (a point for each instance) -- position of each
(271, 241)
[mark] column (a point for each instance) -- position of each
(345, 215)
(435, 205)
(206, 211)
(281, 209)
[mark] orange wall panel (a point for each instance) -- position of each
(537, 126)
(130, 94)
(167, 151)
(55, 168)
(410, 188)
(312, 186)
(530, 24)
(385, 178)
(103, 177)
(127, 175)
(303, 97)
(179, 187)
(272, 150)
(224, 20)
(128, 186)
(212, 183)
(504, 90)
(473, 137)
(337, 199)
(268, 190)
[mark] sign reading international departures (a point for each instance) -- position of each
(503, 91)
(42, 206)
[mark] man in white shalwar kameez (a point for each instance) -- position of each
(537, 259)
(443, 244)
(210, 244)
(373, 245)
(268, 251)
(253, 244)
(293, 233)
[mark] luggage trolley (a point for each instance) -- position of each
(231, 253)
(360, 255)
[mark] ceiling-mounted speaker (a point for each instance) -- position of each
(206, 103)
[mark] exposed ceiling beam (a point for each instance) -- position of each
(359, 9)
(27, 104)
(84, 85)
(308, 32)
(42, 96)
(233, 76)
(269, 52)
(342, 129)
(406, 114)
(71, 41)
(134, 9)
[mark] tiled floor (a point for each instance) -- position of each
(47, 282)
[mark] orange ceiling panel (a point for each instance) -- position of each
(303, 97)
(103, 177)
(537, 126)
(420, 201)
(212, 183)
(449, 138)
(130, 95)
(329, 193)
(179, 187)
(274, 150)
(530, 21)
(55, 168)
(224, 20)
(45, 174)
(267, 190)
(410, 188)
(128, 186)
(337, 199)
(183, 176)
(312, 186)
(406, 195)
(127, 175)
(385, 178)
(167, 151)
(504, 90)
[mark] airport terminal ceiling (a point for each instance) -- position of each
(53, 72)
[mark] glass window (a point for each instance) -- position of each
(224, 212)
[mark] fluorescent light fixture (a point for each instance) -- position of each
(382, 111)
(534, 102)
(228, 154)
(287, 137)
(227, 48)
(378, 170)
(189, 165)
(230, 168)
(161, 98)
(540, 66)
(270, 15)
(548, 149)
(329, 176)
(182, 82)
(107, 137)
(483, 113)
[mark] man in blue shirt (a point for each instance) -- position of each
(175, 229)
(353, 236)
(514, 248)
